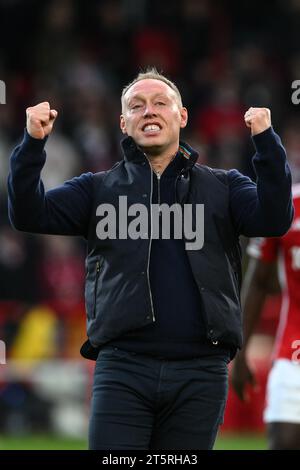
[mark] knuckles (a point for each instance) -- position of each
(41, 107)
(261, 113)
(38, 112)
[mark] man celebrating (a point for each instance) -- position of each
(163, 320)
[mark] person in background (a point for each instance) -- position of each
(282, 410)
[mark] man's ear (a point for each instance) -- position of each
(184, 117)
(122, 124)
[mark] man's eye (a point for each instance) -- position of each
(136, 106)
(160, 103)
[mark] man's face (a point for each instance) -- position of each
(153, 116)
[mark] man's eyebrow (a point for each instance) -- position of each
(135, 97)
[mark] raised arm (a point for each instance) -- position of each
(62, 211)
(264, 209)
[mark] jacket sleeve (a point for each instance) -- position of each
(264, 208)
(61, 211)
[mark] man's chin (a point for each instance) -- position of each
(151, 148)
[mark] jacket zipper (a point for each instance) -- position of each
(158, 175)
(158, 188)
(98, 269)
(150, 241)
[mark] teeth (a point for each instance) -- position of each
(151, 127)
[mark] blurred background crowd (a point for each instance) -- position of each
(224, 55)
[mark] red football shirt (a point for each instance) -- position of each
(285, 250)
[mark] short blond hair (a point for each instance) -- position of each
(153, 74)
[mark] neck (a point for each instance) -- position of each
(160, 162)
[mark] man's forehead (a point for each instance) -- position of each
(149, 86)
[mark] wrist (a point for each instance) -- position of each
(259, 130)
(32, 143)
(34, 136)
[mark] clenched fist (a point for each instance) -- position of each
(258, 119)
(40, 120)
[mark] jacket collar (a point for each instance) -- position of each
(132, 153)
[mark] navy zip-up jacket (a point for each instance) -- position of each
(122, 316)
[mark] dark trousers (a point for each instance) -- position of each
(142, 402)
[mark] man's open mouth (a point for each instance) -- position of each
(151, 128)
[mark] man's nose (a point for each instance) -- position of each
(149, 110)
